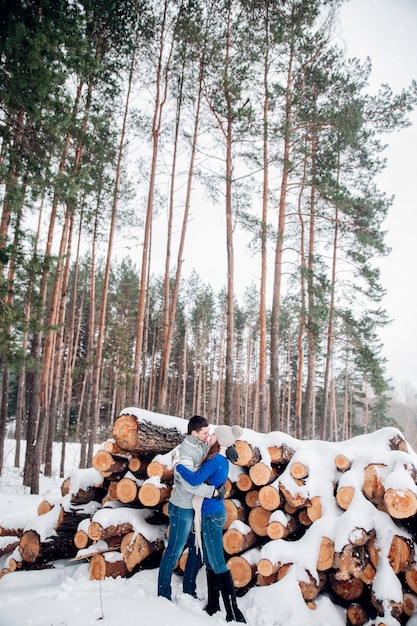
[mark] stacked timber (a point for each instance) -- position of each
(338, 518)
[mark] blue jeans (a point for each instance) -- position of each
(180, 533)
(212, 536)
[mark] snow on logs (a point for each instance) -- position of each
(337, 518)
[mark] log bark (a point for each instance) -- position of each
(373, 483)
(96, 531)
(103, 566)
(143, 437)
(248, 455)
(356, 615)
(33, 550)
(309, 589)
(135, 549)
(347, 590)
(280, 454)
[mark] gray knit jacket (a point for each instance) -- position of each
(192, 452)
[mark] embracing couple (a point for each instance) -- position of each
(201, 465)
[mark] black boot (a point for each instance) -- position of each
(213, 593)
(227, 588)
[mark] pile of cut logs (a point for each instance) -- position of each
(341, 517)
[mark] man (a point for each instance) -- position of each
(192, 451)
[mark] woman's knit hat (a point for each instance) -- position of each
(227, 435)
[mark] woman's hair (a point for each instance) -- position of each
(213, 450)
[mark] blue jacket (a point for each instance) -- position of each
(215, 472)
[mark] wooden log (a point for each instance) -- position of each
(108, 565)
(356, 615)
(400, 556)
(32, 549)
(83, 496)
(311, 588)
(294, 499)
(347, 590)
(280, 454)
(96, 531)
(373, 483)
(244, 482)
(342, 463)
(252, 498)
(135, 548)
(326, 555)
(401, 504)
(106, 462)
(269, 497)
(281, 525)
(248, 454)
(234, 511)
(262, 474)
(127, 490)
(267, 568)
(137, 466)
(397, 442)
(298, 470)
(242, 571)
(7, 548)
(10, 532)
(314, 508)
(409, 603)
(303, 517)
(258, 520)
(265, 581)
(411, 577)
(344, 496)
(350, 562)
(156, 468)
(238, 538)
(151, 495)
(144, 437)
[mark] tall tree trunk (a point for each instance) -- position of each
(95, 409)
(277, 281)
(175, 291)
(230, 313)
(330, 324)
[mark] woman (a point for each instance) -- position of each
(214, 470)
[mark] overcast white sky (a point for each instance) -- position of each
(386, 31)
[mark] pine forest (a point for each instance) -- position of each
(120, 122)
